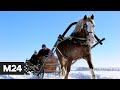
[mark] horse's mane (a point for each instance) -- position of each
(78, 26)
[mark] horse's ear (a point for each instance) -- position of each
(92, 16)
(85, 17)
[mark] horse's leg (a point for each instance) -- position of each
(63, 66)
(68, 66)
(62, 62)
(89, 61)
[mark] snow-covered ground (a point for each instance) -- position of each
(74, 74)
(87, 75)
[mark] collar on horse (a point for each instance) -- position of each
(73, 39)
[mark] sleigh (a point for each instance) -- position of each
(51, 66)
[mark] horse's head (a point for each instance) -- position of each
(85, 28)
(89, 21)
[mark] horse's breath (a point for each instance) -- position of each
(78, 46)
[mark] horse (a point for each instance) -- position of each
(78, 45)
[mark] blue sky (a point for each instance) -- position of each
(22, 32)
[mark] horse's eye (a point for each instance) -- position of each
(93, 25)
(85, 26)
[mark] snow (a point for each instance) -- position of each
(74, 74)
(87, 75)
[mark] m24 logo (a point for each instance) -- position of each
(13, 68)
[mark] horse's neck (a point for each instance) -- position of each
(78, 30)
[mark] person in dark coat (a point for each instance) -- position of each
(44, 51)
(34, 58)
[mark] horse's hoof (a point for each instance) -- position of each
(94, 77)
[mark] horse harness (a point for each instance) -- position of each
(75, 40)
